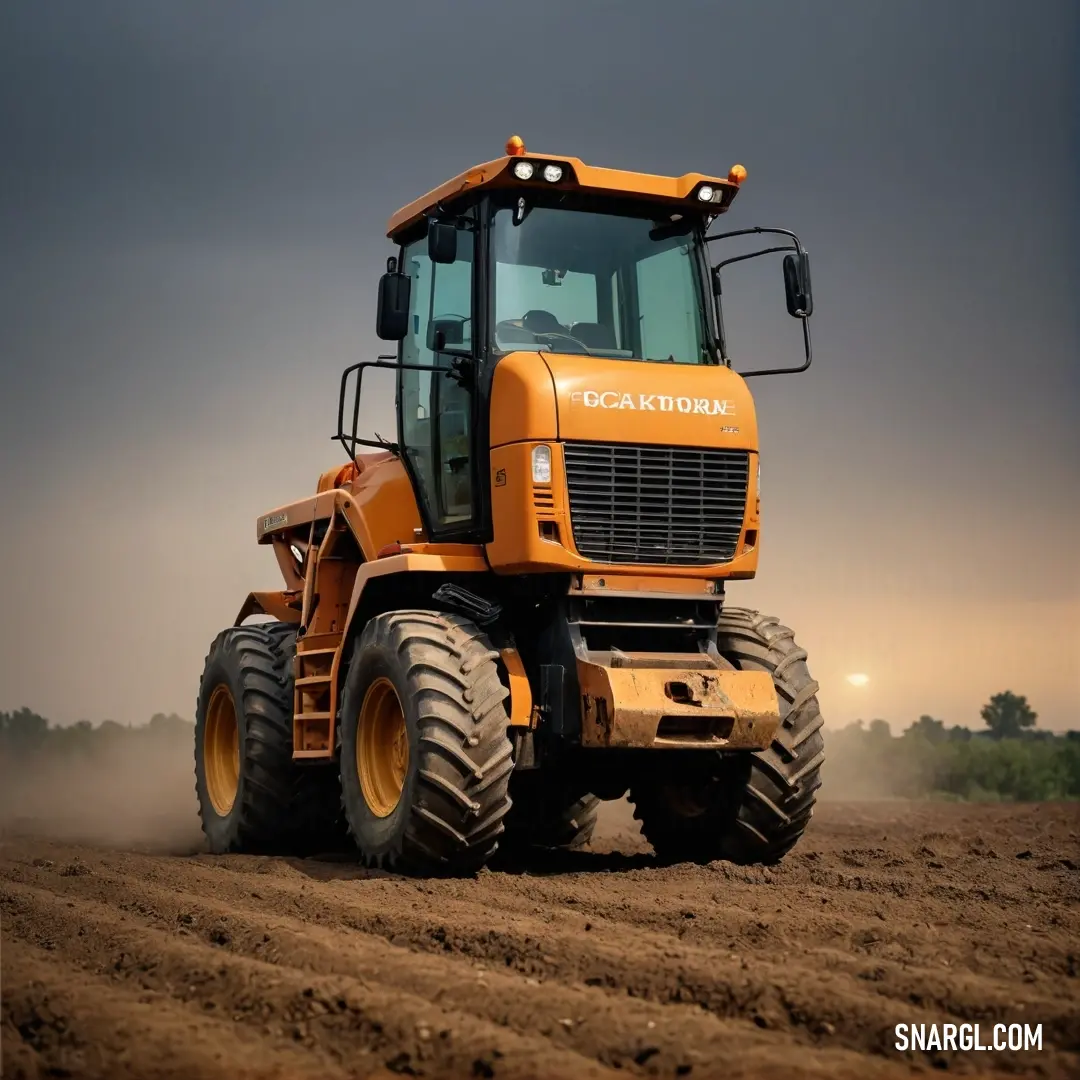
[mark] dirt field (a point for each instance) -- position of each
(138, 964)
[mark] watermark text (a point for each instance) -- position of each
(1000, 1037)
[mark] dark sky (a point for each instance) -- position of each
(193, 200)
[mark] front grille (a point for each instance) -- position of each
(672, 505)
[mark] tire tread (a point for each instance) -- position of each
(768, 814)
(461, 792)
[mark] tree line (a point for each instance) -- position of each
(25, 735)
(1007, 760)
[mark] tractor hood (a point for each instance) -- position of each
(630, 401)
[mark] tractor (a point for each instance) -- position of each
(517, 607)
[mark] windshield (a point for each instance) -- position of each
(572, 281)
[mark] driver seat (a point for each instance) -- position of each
(538, 321)
(594, 335)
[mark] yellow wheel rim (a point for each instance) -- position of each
(382, 748)
(221, 750)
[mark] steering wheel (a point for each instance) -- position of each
(540, 321)
(511, 331)
(463, 319)
(565, 337)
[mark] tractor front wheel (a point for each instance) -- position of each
(425, 755)
(748, 808)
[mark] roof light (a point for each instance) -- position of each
(552, 173)
(705, 193)
(515, 146)
(523, 170)
(736, 174)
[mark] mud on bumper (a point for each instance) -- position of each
(671, 707)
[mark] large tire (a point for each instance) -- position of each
(546, 815)
(293, 809)
(750, 809)
(425, 683)
(243, 741)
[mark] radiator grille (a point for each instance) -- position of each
(671, 505)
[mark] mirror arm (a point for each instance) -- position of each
(796, 246)
(721, 332)
(755, 230)
(717, 291)
(754, 255)
(789, 370)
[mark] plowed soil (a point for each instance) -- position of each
(136, 963)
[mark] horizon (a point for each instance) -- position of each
(865, 722)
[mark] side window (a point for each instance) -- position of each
(669, 319)
(436, 412)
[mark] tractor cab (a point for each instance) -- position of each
(546, 256)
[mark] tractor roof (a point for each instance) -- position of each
(705, 193)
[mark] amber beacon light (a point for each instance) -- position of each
(736, 174)
(515, 146)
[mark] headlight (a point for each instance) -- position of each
(541, 464)
(523, 170)
(710, 193)
(552, 173)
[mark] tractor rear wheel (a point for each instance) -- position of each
(749, 808)
(243, 741)
(547, 815)
(425, 755)
(252, 795)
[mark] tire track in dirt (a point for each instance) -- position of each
(344, 1017)
(775, 995)
(83, 1025)
(586, 966)
(588, 1021)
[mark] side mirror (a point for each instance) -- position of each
(442, 242)
(392, 318)
(800, 299)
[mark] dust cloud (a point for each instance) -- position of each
(856, 773)
(136, 789)
(134, 792)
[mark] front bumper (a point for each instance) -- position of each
(638, 704)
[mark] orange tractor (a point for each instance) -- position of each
(518, 606)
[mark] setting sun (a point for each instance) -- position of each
(858, 679)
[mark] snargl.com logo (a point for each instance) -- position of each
(965, 1037)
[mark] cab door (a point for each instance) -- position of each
(436, 408)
